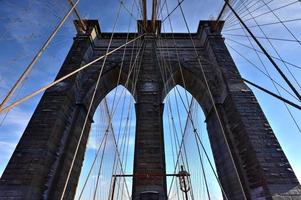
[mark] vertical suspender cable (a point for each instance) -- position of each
(214, 107)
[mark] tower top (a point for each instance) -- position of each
(150, 27)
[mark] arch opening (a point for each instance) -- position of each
(182, 147)
(113, 127)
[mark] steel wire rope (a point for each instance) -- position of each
(192, 122)
(123, 55)
(93, 163)
(187, 110)
(7, 112)
(89, 173)
(274, 48)
(100, 165)
(233, 19)
(131, 14)
(174, 9)
(185, 127)
(177, 54)
(37, 56)
(135, 81)
(115, 167)
(240, 10)
(266, 38)
(211, 166)
(199, 152)
(118, 80)
(202, 167)
(172, 146)
(133, 92)
(178, 147)
(117, 149)
(132, 68)
(214, 106)
(116, 153)
(286, 106)
(119, 97)
(268, 12)
(264, 24)
(181, 145)
(124, 148)
(230, 17)
(172, 120)
(90, 169)
(46, 44)
(244, 45)
(130, 106)
(17, 92)
(182, 133)
(128, 130)
(295, 122)
(89, 108)
(265, 13)
(203, 181)
(66, 76)
(208, 157)
(254, 65)
(160, 8)
(138, 7)
(212, 169)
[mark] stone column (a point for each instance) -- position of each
(149, 146)
(261, 163)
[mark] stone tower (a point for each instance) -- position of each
(42, 158)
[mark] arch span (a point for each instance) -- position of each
(114, 126)
(42, 159)
(243, 127)
(191, 80)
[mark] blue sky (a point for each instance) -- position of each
(25, 25)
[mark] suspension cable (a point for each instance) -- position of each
(186, 96)
(272, 94)
(113, 112)
(110, 121)
(66, 76)
(274, 48)
(37, 56)
(252, 64)
(213, 104)
(265, 13)
(266, 53)
(266, 38)
(90, 106)
(185, 106)
(253, 48)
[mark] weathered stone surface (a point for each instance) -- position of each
(40, 163)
